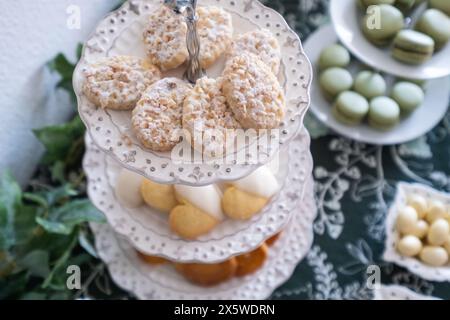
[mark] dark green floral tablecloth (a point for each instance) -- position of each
(355, 184)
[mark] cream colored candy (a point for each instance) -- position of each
(406, 220)
(207, 199)
(128, 186)
(419, 203)
(436, 210)
(261, 182)
(447, 245)
(420, 230)
(434, 256)
(409, 246)
(439, 232)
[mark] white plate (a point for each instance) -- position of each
(163, 282)
(391, 254)
(121, 33)
(417, 124)
(148, 230)
(396, 292)
(346, 17)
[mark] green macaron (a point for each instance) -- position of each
(334, 81)
(384, 113)
(413, 47)
(350, 108)
(382, 24)
(370, 84)
(368, 3)
(443, 5)
(436, 24)
(408, 95)
(334, 56)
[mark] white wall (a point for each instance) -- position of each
(31, 33)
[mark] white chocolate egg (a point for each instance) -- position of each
(436, 210)
(434, 256)
(261, 182)
(420, 230)
(439, 232)
(447, 245)
(409, 246)
(419, 203)
(406, 220)
(127, 189)
(207, 199)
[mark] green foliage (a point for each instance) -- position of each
(43, 229)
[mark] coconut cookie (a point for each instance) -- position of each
(158, 196)
(261, 43)
(248, 196)
(117, 82)
(157, 117)
(207, 116)
(215, 31)
(127, 189)
(165, 38)
(199, 212)
(208, 274)
(253, 93)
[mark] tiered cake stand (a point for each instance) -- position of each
(111, 147)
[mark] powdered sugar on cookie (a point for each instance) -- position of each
(117, 82)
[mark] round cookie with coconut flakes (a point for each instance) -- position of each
(253, 92)
(117, 83)
(165, 38)
(263, 44)
(156, 120)
(207, 116)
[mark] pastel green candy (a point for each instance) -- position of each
(384, 113)
(334, 81)
(350, 108)
(370, 84)
(443, 5)
(413, 47)
(436, 24)
(367, 3)
(380, 31)
(334, 56)
(409, 96)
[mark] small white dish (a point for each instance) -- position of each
(425, 118)
(346, 17)
(414, 265)
(162, 282)
(396, 292)
(148, 230)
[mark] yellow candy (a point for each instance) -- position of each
(447, 245)
(434, 256)
(436, 210)
(419, 203)
(439, 232)
(407, 220)
(240, 205)
(420, 230)
(409, 246)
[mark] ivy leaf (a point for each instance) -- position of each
(62, 220)
(61, 65)
(58, 139)
(36, 263)
(10, 202)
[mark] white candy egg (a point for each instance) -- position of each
(434, 256)
(406, 220)
(419, 203)
(420, 230)
(409, 246)
(436, 210)
(128, 186)
(439, 232)
(447, 245)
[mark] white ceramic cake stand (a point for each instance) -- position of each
(120, 33)
(148, 230)
(163, 282)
